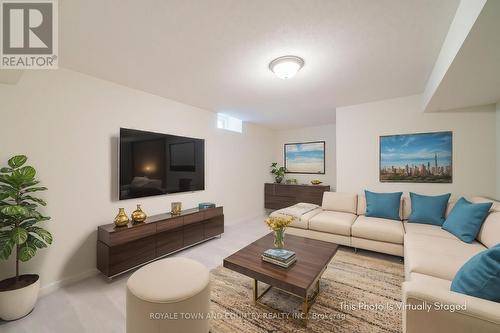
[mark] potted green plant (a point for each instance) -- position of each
(278, 172)
(20, 235)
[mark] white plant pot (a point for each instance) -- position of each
(17, 303)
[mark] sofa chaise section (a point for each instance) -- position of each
(432, 259)
(430, 250)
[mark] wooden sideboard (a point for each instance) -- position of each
(277, 196)
(120, 249)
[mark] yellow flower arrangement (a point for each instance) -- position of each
(279, 222)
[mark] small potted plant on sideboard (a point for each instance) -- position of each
(20, 235)
(278, 172)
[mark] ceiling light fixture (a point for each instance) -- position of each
(286, 67)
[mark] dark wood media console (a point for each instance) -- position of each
(277, 196)
(122, 248)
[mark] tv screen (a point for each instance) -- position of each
(155, 164)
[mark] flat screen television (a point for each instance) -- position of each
(156, 164)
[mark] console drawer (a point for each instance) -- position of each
(193, 218)
(169, 224)
(213, 212)
(131, 234)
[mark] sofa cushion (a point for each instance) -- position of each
(340, 202)
(489, 234)
(303, 221)
(437, 256)
(466, 219)
(383, 205)
(406, 208)
(480, 276)
(378, 229)
(428, 209)
(333, 222)
(427, 229)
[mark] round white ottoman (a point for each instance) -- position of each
(169, 295)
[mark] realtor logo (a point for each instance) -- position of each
(29, 34)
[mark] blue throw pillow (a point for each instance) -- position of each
(466, 219)
(383, 205)
(428, 209)
(480, 276)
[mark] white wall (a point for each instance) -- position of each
(359, 128)
(68, 124)
(317, 133)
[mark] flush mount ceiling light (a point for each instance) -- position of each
(286, 67)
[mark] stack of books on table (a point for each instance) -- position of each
(280, 257)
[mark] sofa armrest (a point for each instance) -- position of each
(432, 307)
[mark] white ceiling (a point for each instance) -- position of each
(215, 54)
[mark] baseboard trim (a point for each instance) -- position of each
(54, 286)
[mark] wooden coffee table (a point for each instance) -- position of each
(301, 279)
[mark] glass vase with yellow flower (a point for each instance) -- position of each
(278, 224)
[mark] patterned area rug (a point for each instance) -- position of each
(359, 293)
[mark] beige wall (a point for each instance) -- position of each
(317, 133)
(498, 151)
(359, 128)
(68, 125)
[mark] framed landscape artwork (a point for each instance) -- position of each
(417, 158)
(306, 157)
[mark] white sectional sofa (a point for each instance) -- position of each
(432, 257)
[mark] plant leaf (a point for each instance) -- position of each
(17, 161)
(35, 189)
(6, 179)
(4, 196)
(4, 236)
(19, 235)
(29, 205)
(6, 170)
(26, 173)
(6, 249)
(15, 211)
(33, 241)
(37, 200)
(29, 183)
(27, 252)
(44, 234)
(28, 223)
(36, 215)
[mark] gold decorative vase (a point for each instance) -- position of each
(176, 208)
(121, 219)
(138, 215)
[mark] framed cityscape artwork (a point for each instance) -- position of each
(305, 157)
(417, 158)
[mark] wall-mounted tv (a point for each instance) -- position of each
(156, 164)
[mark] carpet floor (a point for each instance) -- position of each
(359, 293)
